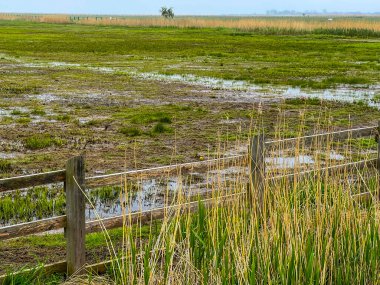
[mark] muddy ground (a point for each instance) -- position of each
(49, 114)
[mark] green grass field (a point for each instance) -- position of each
(87, 86)
(317, 61)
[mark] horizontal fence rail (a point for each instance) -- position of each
(331, 169)
(95, 180)
(26, 181)
(56, 223)
(75, 181)
(35, 227)
(341, 135)
(21, 182)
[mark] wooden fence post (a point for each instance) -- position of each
(257, 169)
(378, 160)
(75, 212)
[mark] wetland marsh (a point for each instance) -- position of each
(132, 97)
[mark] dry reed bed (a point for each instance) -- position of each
(241, 23)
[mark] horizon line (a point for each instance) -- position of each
(280, 13)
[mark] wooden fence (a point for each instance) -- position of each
(73, 177)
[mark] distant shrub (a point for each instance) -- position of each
(150, 117)
(63, 118)
(38, 112)
(165, 119)
(160, 128)
(42, 141)
(23, 120)
(16, 112)
(130, 131)
(17, 89)
(94, 123)
(376, 98)
(5, 165)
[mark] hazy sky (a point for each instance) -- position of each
(188, 7)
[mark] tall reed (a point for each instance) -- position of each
(367, 26)
(306, 231)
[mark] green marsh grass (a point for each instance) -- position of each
(5, 166)
(37, 203)
(42, 141)
(130, 131)
(44, 202)
(264, 55)
(35, 275)
(160, 128)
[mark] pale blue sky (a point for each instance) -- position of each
(187, 7)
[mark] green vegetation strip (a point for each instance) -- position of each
(312, 60)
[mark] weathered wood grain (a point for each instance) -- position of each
(257, 170)
(26, 181)
(32, 228)
(75, 214)
(378, 161)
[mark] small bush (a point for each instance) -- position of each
(93, 123)
(38, 112)
(16, 113)
(23, 120)
(63, 118)
(6, 120)
(42, 141)
(151, 117)
(160, 128)
(376, 98)
(165, 119)
(130, 131)
(5, 165)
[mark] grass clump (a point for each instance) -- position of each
(151, 117)
(23, 120)
(376, 98)
(16, 112)
(16, 89)
(63, 118)
(40, 202)
(5, 165)
(161, 128)
(130, 131)
(42, 141)
(38, 112)
(36, 275)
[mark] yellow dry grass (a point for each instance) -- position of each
(241, 23)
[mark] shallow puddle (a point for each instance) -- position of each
(9, 155)
(246, 90)
(342, 94)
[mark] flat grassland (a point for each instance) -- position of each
(112, 91)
